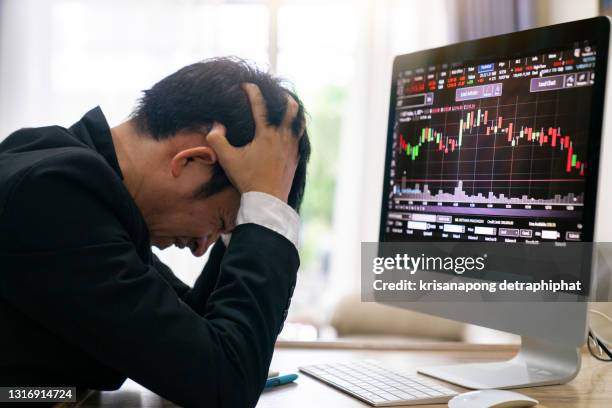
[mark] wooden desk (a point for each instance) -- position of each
(591, 389)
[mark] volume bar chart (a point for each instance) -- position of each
(458, 195)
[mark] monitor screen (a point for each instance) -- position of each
(491, 147)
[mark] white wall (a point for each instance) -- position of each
(561, 11)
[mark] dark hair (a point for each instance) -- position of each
(199, 94)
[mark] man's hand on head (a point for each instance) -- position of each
(268, 163)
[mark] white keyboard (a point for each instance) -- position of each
(371, 382)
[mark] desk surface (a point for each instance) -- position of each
(592, 388)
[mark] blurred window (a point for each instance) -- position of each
(68, 56)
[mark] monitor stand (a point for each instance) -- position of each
(537, 363)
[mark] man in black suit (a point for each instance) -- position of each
(217, 148)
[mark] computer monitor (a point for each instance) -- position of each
(502, 139)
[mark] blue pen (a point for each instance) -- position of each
(280, 380)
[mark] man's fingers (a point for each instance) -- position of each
(258, 104)
(216, 138)
(292, 110)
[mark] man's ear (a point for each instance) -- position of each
(201, 154)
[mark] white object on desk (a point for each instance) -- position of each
(492, 399)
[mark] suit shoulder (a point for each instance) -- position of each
(65, 200)
(36, 131)
(24, 137)
(81, 168)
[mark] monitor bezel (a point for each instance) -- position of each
(539, 40)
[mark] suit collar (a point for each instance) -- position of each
(93, 130)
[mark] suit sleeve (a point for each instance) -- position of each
(74, 270)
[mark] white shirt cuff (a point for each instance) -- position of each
(270, 212)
